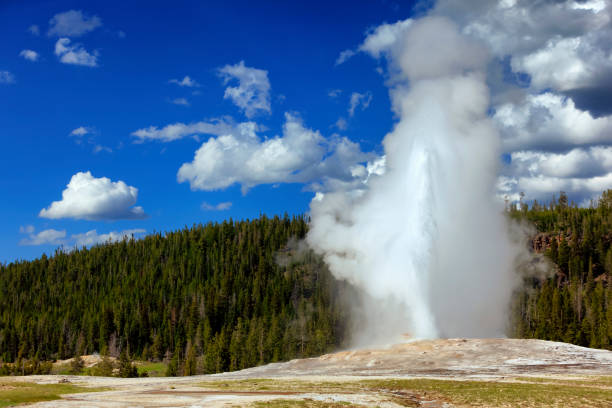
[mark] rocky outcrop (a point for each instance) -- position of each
(543, 240)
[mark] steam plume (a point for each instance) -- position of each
(427, 240)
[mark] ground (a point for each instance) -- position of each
(428, 373)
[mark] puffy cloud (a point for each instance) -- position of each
(550, 122)
(45, 237)
(74, 54)
(28, 229)
(218, 207)
(92, 237)
(299, 155)
(341, 124)
(582, 172)
(99, 148)
(553, 102)
(80, 131)
(382, 38)
(542, 188)
(344, 56)
(34, 29)
(89, 238)
(252, 95)
(90, 198)
(180, 101)
(72, 23)
(334, 93)
(577, 163)
(6, 77)
(179, 130)
(30, 55)
(186, 81)
(358, 99)
(404, 42)
(563, 45)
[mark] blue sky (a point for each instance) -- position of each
(133, 117)
(141, 47)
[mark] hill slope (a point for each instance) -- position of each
(575, 304)
(233, 295)
(208, 298)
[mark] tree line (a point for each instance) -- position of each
(206, 299)
(231, 295)
(574, 304)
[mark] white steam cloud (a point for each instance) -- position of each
(427, 240)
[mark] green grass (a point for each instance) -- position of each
(594, 380)
(14, 393)
(152, 369)
(281, 385)
(503, 394)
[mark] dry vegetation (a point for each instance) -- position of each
(319, 392)
(523, 391)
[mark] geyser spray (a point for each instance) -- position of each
(427, 240)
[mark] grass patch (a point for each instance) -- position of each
(538, 392)
(61, 369)
(603, 381)
(502, 394)
(14, 393)
(282, 385)
(152, 369)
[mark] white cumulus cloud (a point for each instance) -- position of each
(72, 23)
(300, 155)
(6, 77)
(179, 130)
(59, 237)
(341, 124)
(74, 54)
(359, 99)
(562, 45)
(180, 101)
(381, 39)
(553, 105)
(334, 93)
(252, 95)
(186, 81)
(89, 198)
(344, 56)
(80, 131)
(584, 172)
(45, 237)
(92, 237)
(549, 121)
(99, 148)
(30, 55)
(216, 207)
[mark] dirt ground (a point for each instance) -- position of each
(306, 382)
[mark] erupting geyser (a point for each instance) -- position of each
(427, 240)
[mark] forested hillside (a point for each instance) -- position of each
(573, 305)
(208, 298)
(226, 296)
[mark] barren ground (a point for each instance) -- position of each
(428, 373)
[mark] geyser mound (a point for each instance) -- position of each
(427, 240)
